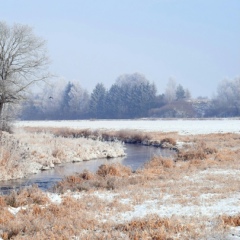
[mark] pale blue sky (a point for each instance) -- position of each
(197, 42)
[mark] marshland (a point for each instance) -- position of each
(191, 194)
(119, 120)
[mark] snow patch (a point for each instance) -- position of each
(54, 198)
(182, 126)
(228, 206)
(234, 233)
(221, 171)
(14, 211)
(105, 196)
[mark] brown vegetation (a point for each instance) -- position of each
(231, 220)
(128, 136)
(91, 217)
(24, 153)
(102, 205)
(117, 170)
(152, 227)
(32, 195)
(198, 150)
(109, 176)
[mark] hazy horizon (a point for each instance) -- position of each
(195, 42)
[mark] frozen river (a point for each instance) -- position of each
(181, 126)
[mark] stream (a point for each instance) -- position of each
(136, 156)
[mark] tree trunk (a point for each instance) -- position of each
(1, 109)
(1, 120)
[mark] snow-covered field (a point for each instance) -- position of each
(197, 193)
(181, 126)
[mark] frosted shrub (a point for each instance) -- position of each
(113, 170)
(24, 153)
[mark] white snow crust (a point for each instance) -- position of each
(182, 126)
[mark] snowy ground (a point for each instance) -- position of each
(22, 154)
(190, 192)
(197, 196)
(181, 126)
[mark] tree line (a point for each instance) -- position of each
(24, 62)
(131, 96)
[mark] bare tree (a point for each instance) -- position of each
(23, 62)
(170, 92)
(227, 102)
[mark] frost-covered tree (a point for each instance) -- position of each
(97, 105)
(170, 92)
(113, 102)
(131, 80)
(23, 62)
(227, 101)
(187, 94)
(78, 101)
(63, 100)
(131, 96)
(180, 92)
(31, 109)
(65, 108)
(47, 102)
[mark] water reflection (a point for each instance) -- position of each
(136, 156)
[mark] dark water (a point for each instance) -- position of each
(136, 156)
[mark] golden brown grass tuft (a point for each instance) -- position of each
(196, 151)
(5, 156)
(133, 136)
(152, 227)
(75, 182)
(156, 168)
(31, 195)
(168, 163)
(169, 140)
(116, 169)
(158, 163)
(5, 216)
(108, 176)
(2, 202)
(226, 155)
(231, 220)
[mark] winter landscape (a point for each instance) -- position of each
(119, 120)
(192, 195)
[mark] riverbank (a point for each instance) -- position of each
(24, 153)
(156, 139)
(194, 195)
(166, 199)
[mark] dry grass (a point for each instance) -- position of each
(127, 136)
(159, 162)
(111, 176)
(231, 220)
(198, 150)
(24, 153)
(151, 227)
(178, 198)
(113, 170)
(169, 140)
(31, 195)
(154, 227)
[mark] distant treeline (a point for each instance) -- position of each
(131, 96)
